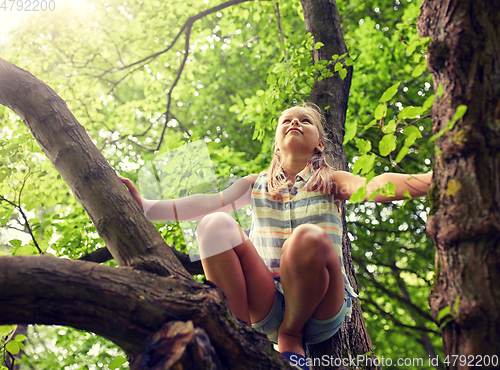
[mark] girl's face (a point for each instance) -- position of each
(298, 132)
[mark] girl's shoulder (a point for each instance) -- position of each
(252, 178)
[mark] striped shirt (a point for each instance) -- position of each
(273, 220)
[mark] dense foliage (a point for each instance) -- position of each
(140, 92)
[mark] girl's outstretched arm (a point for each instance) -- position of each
(346, 184)
(194, 207)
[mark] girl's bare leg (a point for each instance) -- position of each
(233, 264)
(312, 283)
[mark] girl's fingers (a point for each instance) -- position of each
(127, 183)
(132, 189)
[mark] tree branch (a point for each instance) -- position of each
(124, 305)
(102, 255)
(396, 321)
(188, 24)
(392, 294)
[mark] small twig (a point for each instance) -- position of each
(115, 84)
(18, 207)
(187, 24)
(181, 68)
(278, 18)
(396, 321)
(184, 129)
(417, 120)
(251, 39)
(348, 14)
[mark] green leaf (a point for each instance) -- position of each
(445, 322)
(419, 69)
(370, 161)
(412, 131)
(407, 194)
(358, 165)
(15, 242)
(364, 164)
(12, 347)
(380, 111)
(387, 145)
(440, 91)
(117, 363)
(6, 329)
(318, 45)
(364, 146)
(429, 102)
(351, 129)
(389, 190)
(21, 337)
(372, 123)
(373, 195)
(389, 93)
(455, 305)
(402, 153)
(390, 127)
(370, 175)
(25, 250)
(410, 112)
(343, 73)
(445, 311)
(411, 47)
(460, 112)
(358, 196)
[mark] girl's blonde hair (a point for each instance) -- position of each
(322, 179)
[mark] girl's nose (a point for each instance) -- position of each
(296, 121)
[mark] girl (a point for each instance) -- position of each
(287, 279)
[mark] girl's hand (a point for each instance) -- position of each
(132, 189)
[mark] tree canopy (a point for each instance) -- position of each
(145, 77)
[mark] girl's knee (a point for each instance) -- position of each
(309, 244)
(213, 222)
(309, 236)
(217, 233)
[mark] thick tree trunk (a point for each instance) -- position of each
(126, 304)
(464, 57)
(323, 21)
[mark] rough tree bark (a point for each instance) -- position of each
(150, 296)
(464, 58)
(322, 20)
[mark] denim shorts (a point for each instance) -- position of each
(315, 331)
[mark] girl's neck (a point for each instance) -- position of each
(292, 165)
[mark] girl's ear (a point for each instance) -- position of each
(321, 146)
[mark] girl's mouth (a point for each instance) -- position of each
(293, 129)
